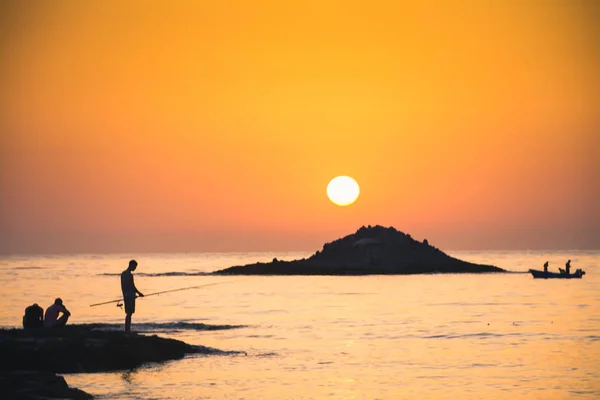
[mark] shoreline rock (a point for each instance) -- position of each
(79, 348)
(35, 385)
(370, 250)
(31, 359)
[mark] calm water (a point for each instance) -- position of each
(490, 336)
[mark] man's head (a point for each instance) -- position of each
(58, 301)
(132, 265)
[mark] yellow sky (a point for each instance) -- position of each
(173, 126)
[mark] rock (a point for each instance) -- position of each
(30, 385)
(30, 359)
(77, 348)
(370, 250)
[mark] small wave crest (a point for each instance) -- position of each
(168, 273)
(205, 350)
(149, 327)
(482, 335)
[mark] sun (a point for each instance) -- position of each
(343, 190)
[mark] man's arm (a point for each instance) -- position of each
(65, 311)
(140, 294)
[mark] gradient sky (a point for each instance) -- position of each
(214, 126)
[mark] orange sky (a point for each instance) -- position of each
(217, 125)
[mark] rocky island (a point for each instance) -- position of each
(368, 251)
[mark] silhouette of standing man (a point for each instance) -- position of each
(568, 267)
(129, 293)
(546, 266)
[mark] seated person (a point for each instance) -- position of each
(34, 317)
(51, 319)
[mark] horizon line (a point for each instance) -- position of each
(119, 253)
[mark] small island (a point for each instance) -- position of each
(370, 250)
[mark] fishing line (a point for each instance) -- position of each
(159, 293)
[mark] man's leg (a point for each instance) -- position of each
(128, 323)
(129, 310)
(62, 321)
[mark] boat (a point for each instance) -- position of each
(560, 275)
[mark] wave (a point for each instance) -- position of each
(148, 327)
(465, 335)
(487, 335)
(205, 350)
(481, 335)
(170, 273)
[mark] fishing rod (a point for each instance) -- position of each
(158, 293)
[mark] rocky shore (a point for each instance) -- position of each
(30, 385)
(31, 359)
(368, 251)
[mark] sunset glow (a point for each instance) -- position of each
(210, 126)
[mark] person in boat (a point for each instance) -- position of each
(129, 293)
(51, 319)
(568, 267)
(34, 317)
(546, 266)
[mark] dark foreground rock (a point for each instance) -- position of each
(31, 359)
(35, 385)
(79, 348)
(371, 250)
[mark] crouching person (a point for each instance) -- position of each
(51, 320)
(34, 317)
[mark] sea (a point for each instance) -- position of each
(435, 336)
